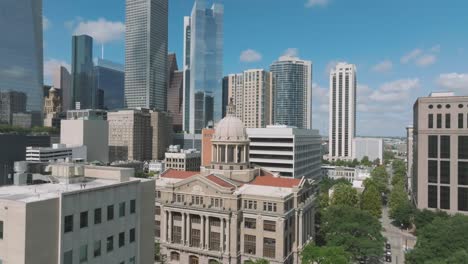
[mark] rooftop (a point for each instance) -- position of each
(176, 174)
(270, 180)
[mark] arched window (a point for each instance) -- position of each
(175, 256)
(193, 260)
(213, 261)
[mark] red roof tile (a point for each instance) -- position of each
(220, 181)
(176, 174)
(270, 180)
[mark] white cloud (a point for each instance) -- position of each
(314, 3)
(291, 52)
(250, 55)
(51, 69)
(396, 91)
(101, 30)
(46, 24)
(410, 56)
(426, 60)
(436, 48)
(331, 65)
(454, 81)
(383, 66)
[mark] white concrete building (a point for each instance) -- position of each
(342, 108)
(373, 148)
(409, 156)
(86, 214)
(289, 151)
(180, 159)
(56, 153)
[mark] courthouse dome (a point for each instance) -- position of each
(230, 127)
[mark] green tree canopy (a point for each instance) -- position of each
(424, 217)
(344, 194)
(365, 161)
(380, 177)
(403, 214)
(398, 197)
(355, 230)
(371, 201)
(312, 254)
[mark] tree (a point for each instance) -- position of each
(344, 194)
(258, 261)
(157, 254)
(403, 214)
(377, 162)
(312, 254)
(365, 161)
(355, 230)
(388, 155)
(371, 200)
(424, 217)
(439, 240)
(380, 177)
(398, 197)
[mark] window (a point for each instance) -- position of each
(83, 253)
(157, 210)
(97, 248)
(460, 120)
(445, 172)
(463, 147)
(97, 216)
(444, 197)
(250, 244)
(462, 173)
(439, 120)
(110, 243)
(68, 223)
(463, 199)
(1, 229)
(68, 257)
(84, 219)
(132, 206)
(132, 235)
(250, 223)
(177, 234)
(432, 196)
(269, 207)
(447, 120)
(157, 228)
(215, 222)
(269, 246)
(195, 238)
(197, 200)
(175, 256)
(431, 121)
(122, 209)
(215, 241)
(249, 204)
(121, 239)
(269, 226)
(110, 212)
(433, 146)
(445, 147)
(216, 202)
(132, 260)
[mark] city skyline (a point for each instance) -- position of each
(430, 57)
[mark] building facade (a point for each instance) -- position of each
(342, 109)
(183, 160)
(146, 54)
(83, 86)
(21, 66)
(372, 148)
(203, 66)
(440, 153)
(409, 157)
(161, 130)
(207, 146)
(62, 80)
(11, 102)
(110, 81)
(231, 212)
(58, 152)
(175, 93)
(87, 215)
(289, 151)
(52, 103)
(292, 92)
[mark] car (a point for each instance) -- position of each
(388, 246)
(388, 258)
(388, 253)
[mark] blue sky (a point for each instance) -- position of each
(403, 49)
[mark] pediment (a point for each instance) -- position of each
(199, 185)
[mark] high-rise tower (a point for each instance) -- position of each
(342, 125)
(146, 54)
(83, 87)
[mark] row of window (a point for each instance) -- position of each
(269, 246)
(443, 197)
(267, 206)
(268, 225)
(97, 248)
(438, 120)
(444, 142)
(84, 216)
(443, 168)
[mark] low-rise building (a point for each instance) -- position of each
(185, 160)
(373, 148)
(348, 173)
(79, 214)
(56, 153)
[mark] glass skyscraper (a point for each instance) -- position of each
(203, 66)
(292, 92)
(84, 92)
(146, 54)
(21, 57)
(110, 79)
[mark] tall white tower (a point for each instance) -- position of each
(342, 108)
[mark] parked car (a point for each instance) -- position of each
(388, 258)
(388, 246)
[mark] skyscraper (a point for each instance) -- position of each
(175, 93)
(62, 80)
(342, 123)
(110, 79)
(21, 63)
(203, 66)
(84, 92)
(292, 92)
(146, 54)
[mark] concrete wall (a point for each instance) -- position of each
(13, 244)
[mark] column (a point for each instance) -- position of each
(169, 225)
(245, 153)
(228, 232)
(163, 234)
(236, 154)
(300, 235)
(226, 159)
(183, 229)
(222, 235)
(202, 231)
(212, 152)
(207, 231)
(189, 231)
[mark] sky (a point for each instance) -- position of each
(402, 49)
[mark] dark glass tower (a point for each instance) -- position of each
(110, 81)
(84, 91)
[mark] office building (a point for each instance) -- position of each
(350, 174)
(110, 84)
(288, 151)
(292, 92)
(146, 36)
(161, 131)
(231, 212)
(203, 66)
(440, 153)
(62, 81)
(175, 93)
(188, 141)
(26, 120)
(80, 214)
(10, 103)
(342, 108)
(182, 160)
(87, 114)
(83, 86)
(251, 94)
(206, 146)
(372, 148)
(409, 157)
(21, 52)
(58, 152)
(92, 133)
(52, 107)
